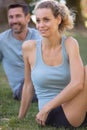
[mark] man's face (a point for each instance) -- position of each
(17, 20)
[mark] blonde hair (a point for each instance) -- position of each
(67, 20)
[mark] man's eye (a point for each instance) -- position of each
(10, 17)
(18, 16)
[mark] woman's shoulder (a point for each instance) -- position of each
(29, 45)
(71, 45)
(71, 41)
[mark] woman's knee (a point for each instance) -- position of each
(85, 73)
(84, 92)
(85, 67)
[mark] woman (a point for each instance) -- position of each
(53, 67)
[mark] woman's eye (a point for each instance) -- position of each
(46, 19)
(37, 20)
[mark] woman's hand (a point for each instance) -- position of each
(42, 116)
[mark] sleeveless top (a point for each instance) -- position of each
(48, 80)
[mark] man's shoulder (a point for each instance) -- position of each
(34, 33)
(33, 30)
(4, 34)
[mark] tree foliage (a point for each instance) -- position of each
(72, 4)
(75, 6)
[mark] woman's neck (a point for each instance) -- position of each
(52, 41)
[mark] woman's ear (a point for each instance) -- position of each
(59, 19)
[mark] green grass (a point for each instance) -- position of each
(9, 108)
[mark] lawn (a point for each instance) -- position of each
(9, 108)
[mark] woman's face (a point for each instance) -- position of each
(46, 23)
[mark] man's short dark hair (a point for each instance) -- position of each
(24, 6)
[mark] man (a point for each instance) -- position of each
(11, 46)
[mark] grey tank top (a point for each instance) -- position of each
(48, 80)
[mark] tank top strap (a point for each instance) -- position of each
(65, 56)
(38, 52)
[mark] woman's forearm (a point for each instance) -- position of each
(65, 95)
(27, 95)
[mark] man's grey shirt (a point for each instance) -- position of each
(11, 55)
